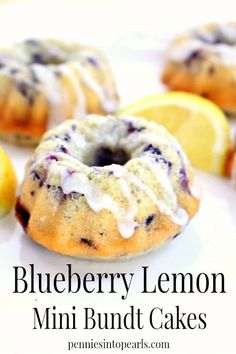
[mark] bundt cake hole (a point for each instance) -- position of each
(105, 156)
(51, 58)
(39, 58)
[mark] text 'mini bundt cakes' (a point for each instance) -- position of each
(106, 188)
(203, 61)
(43, 82)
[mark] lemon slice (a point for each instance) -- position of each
(198, 124)
(8, 184)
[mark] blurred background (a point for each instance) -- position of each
(86, 18)
(124, 29)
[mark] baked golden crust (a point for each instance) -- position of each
(202, 61)
(44, 82)
(73, 223)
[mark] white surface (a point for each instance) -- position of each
(134, 45)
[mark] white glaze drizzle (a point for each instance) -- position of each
(80, 107)
(53, 93)
(109, 103)
(178, 215)
(98, 200)
(133, 179)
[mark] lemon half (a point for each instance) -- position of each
(198, 124)
(8, 184)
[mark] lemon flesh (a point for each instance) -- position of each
(8, 184)
(198, 124)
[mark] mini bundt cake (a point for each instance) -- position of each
(203, 61)
(44, 82)
(106, 187)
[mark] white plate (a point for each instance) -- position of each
(207, 245)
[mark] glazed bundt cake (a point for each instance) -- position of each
(106, 187)
(44, 82)
(203, 61)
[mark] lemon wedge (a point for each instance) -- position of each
(8, 184)
(198, 124)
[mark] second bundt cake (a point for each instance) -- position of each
(203, 61)
(44, 82)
